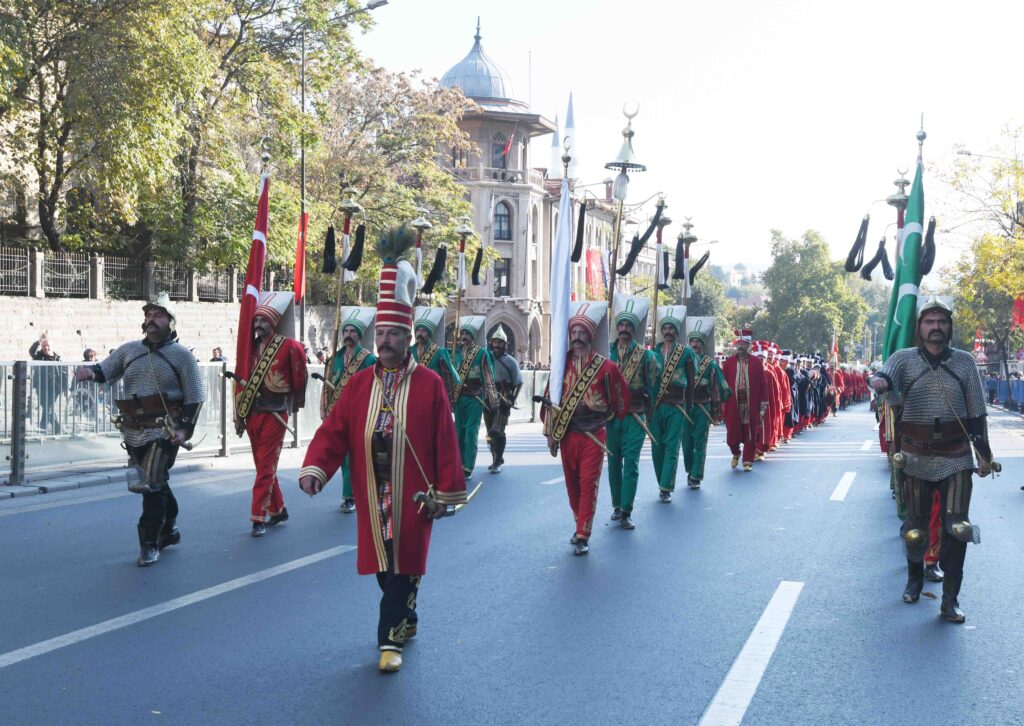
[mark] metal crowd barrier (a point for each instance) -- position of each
(1000, 391)
(65, 424)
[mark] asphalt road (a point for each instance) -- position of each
(765, 595)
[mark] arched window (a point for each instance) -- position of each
(502, 221)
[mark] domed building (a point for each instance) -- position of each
(508, 197)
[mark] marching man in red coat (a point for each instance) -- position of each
(745, 410)
(593, 391)
(276, 387)
(394, 422)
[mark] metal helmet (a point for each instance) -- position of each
(934, 302)
(163, 302)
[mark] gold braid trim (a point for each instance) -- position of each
(579, 389)
(427, 357)
(465, 368)
(252, 387)
(670, 369)
(632, 363)
(350, 370)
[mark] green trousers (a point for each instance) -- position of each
(695, 442)
(468, 412)
(346, 479)
(625, 439)
(667, 424)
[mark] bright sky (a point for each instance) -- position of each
(788, 114)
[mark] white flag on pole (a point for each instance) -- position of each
(560, 292)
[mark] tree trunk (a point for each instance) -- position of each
(188, 175)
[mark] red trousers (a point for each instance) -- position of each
(787, 432)
(266, 435)
(741, 434)
(931, 555)
(581, 463)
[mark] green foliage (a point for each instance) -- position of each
(810, 297)
(707, 299)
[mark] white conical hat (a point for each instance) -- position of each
(475, 325)
(633, 309)
(674, 314)
(703, 328)
(433, 320)
(499, 334)
(279, 309)
(594, 315)
(361, 319)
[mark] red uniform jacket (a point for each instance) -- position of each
(422, 408)
(287, 373)
(755, 392)
(609, 392)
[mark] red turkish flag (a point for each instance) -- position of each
(253, 283)
(1018, 312)
(299, 285)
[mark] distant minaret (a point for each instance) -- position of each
(570, 131)
(555, 170)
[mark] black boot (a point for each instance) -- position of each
(149, 550)
(950, 609)
(915, 582)
(282, 516)
(169, 535)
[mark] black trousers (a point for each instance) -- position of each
(495, 423)
(160, 508)
(397, 604)
(955, 495)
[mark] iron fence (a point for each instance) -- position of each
(14, 269)
(124, 278)
(66, 424)
(66, 274)
(214, 286)
(173, 278)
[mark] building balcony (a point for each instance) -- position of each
(503, 176)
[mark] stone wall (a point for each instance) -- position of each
(76, 324)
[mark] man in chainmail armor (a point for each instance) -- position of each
(943, 415)
(162, 392)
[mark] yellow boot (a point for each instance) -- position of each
(390, 661)
(735, 462)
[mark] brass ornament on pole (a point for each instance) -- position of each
(421, 224)
(464, 230)
(624, 163)
(686, 238)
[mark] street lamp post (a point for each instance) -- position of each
(686, 238)
(464, 230)
(663, 221)
(624, 163)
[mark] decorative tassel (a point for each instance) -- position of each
(700, 263)
(856, 257)
(870, 266)
(634, 249)
(664, 270)
(680, 272)
(653, 226)
(577, 251)
(887, 268)
(476, 264)
(355, 257)
(928, 253)
(330, 258)
(437, 271)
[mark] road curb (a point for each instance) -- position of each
(92, 479)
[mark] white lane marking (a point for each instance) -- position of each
(843, 487)
(116, 495)
(107, 626)
(737, 690)
(866, 446)
(554, 481)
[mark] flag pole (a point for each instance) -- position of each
(663, 221)
(350, 207)
(464, 230)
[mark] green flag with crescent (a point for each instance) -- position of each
(899, 329)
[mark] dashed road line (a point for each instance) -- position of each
(843, 487)
(733, 698)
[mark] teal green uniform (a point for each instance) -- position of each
(710, 391)
(476, 377)
(441, 363)
(336, 368)
(667, 422)
(626, 436)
